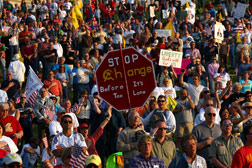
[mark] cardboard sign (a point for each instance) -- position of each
(240, 10)
(168, 58)
(163, 32)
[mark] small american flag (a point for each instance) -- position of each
(49, 113)
(32, 98)
(75, 108)
(78, 157)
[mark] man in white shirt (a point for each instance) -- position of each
(53, 9)
(128, 34)
(67, 139)
(18, 69)
(3, 96)
(83, 77)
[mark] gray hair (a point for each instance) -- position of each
(4, 104)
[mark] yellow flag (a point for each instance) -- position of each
(187, 4)
(74, 20)
(220, 16)
(169, 26)
(21, 58)
(238, 38)
(171, 103)
(79, 4)
(78, 12)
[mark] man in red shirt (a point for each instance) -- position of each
(13, 128)
(54, 86)
(243, 157)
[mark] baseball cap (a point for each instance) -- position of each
(93, 159)
(83, 125)
(61, 110)
(12, 158)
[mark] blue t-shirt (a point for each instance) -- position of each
(246, 88)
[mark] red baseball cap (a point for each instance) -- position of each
(83, 125)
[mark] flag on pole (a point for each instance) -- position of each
(238, 38)
(32, 85)
(220, 16)
(74, 20)
(78, 13)
(75, 108)
(171, 103)
(187, 4)
(169, 26)
(78, 157)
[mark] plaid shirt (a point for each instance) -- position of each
(140, 162)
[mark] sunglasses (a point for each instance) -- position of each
(248, 96)
(211, 114)
(70, 122)
(209, 105)
(161, 101)
(162, 128)
(249, 107)
(228, 124)
(23, 97)
(140, 125)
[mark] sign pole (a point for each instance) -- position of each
(126, 82)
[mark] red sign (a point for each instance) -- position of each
(125, 81)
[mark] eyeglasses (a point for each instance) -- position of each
(23, 97)
(211, 114)
(195, 79)
(70, 122)
(161, 101)
(249, 107)
(248, 96)
(227, 124)
(209, 105)
(162, 128)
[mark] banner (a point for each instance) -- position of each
(32, 85)
(163, 33)
(168, 58)
(239, 11)
(184, 64)
(218, 32)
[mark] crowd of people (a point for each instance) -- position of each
(67, 124)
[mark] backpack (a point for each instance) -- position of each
(157, 116)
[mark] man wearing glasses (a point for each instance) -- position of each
(67, 138)
(163, 147)
(206, 132)
(163, 114)
(223, 148)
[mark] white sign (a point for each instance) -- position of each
(191, 15)
(165, 13)
(240, 10)
(163, 32)
(152, 11)
(218, 32)
(168, 58)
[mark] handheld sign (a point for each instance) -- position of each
(125, 79)
(168, 58)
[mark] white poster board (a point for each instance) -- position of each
(165, 13)
(218, 32)
(191, 15)
(168, 58)
(152, 11)
(240, 10)
(163, 32)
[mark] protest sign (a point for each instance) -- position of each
(163, 32)
(165, 13)
(240, 10)
(184, 64)
(218, 32)
(152, 11)
(168, 58)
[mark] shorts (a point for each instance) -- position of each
(182, 128)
